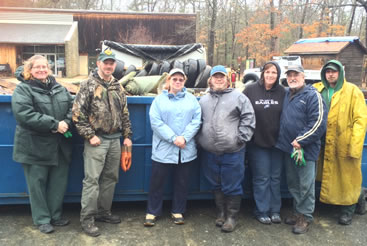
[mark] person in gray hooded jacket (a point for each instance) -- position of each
(228, 122)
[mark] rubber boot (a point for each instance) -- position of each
(233, 205)
(361, 204)
(220, 204)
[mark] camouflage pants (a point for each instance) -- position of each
(101, 172)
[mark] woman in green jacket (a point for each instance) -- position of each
(42, 144)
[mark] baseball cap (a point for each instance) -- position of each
(176, 70)
(332, 66)
(218, 69)
(295, 68)
(106, 54)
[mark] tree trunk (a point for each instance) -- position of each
(213, 7)
(303, 19)
(272, 26)
(322, 14)
(280, 20)
(349, 30)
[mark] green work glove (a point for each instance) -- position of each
(68, 134)
(298, 157)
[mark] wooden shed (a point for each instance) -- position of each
(315, 52)
(69, 38)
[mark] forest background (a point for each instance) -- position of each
(236, 30)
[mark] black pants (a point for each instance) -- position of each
(180, 179)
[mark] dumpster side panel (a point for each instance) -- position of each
(133, 185)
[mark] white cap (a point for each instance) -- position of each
(176, 70)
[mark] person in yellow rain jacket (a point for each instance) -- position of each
(339, 164)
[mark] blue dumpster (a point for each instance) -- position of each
(132, 186)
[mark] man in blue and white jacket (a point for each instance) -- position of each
(302, 124)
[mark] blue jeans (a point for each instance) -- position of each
(266, 166)
(301, 185)
(225, 172)
(160, 173)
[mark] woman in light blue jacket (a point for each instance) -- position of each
(175, 117)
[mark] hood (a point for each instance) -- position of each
(19, 73)
(339, 83)
(261, 80)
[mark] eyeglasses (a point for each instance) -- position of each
(40, 67)
(179, 80)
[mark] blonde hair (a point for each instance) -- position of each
(229, 82)
(166, 86)
(29, 64)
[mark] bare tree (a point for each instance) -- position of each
(212, 10)
(349, 30)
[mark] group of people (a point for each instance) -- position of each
(308, 130)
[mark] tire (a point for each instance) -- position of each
(177, 64)
(201, 65)
(130, 69)
(165, 67)
(202, 79)
(154, 70)
(119, 70)
(250, 78)
(142, 72)
(190, 69)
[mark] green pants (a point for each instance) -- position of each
(101, 172)
(46, 187)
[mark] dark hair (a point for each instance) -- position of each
(266, 67)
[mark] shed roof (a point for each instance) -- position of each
(324, 45)
(33, 33)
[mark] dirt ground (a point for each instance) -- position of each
(16, 228)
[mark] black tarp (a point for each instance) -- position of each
(156, 53)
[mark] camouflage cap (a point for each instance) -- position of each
(106, 54)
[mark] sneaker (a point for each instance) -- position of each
(149, 220)
(46, 228)
(90, 229)
(178, 219)
(291, 220)
(264, 220)
(275, 218)
(345, 219)
(108, 218)
(60, 222)
(301, 225)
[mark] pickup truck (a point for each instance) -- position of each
(311, 76)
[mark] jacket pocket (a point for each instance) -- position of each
(43, 148)
(342, 148)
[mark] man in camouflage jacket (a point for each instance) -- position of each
(101, 117)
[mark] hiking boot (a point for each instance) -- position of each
(345, 219)
(60, 222)
(90, 229)
(108, 218)
(46, 228)
(220, 204)
(301, 225)
(291, 220)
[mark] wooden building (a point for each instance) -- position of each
(315, 52)
(69, 38)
